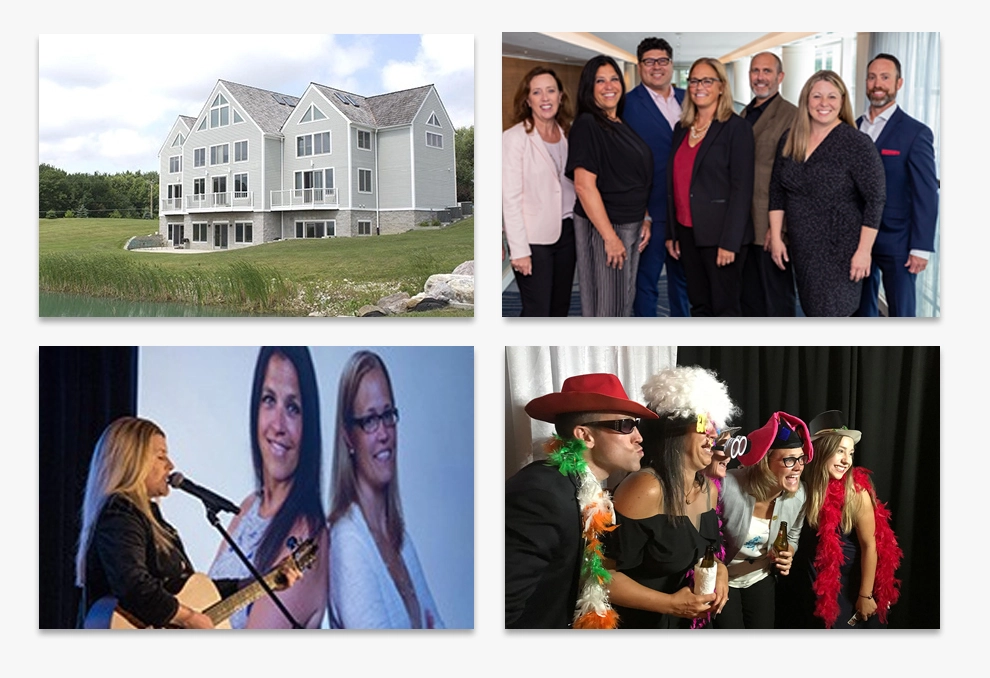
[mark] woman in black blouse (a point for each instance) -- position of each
(829, 180)
(612, 170)
(710, 189)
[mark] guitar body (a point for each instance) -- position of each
(199, 593)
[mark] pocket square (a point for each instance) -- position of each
(889, 151)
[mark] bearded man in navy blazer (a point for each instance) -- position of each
(652, 109)
(907, 229)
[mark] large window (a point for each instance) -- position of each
(310, 184)
(220, 196)
(174, 191)
(240, 151)
(199, 186)
(199, 157)
(364, 181)
(434, 140)
(242, 231)
(220, 154)
(312, 144)
(175, 164)
(199, 232)
(219, 112)
(364, 140)
(315, 229)
(241, 185)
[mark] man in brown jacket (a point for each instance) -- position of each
(767, 290)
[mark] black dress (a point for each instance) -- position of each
(827, 200)
(658, 552)
(797, 604)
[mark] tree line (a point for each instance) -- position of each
(128, 195)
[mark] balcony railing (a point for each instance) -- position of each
(217, 202)
(171, 205)
(304, 198)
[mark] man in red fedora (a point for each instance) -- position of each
(555, 509)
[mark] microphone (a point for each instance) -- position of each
(213, 501)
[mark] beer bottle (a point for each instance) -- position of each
(705, 572)
(780, 543)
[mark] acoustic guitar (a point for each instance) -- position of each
(200, 594)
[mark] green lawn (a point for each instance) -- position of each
(334, 276)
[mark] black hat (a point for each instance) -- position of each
(832, 421)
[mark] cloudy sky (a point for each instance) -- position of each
(106, 103)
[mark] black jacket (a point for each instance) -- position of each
(122, 562)
(721, 185)
(543, 546)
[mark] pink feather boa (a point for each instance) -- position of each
(829, 558)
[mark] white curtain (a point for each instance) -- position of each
(533, 371)
(921, 98)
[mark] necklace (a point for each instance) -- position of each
(694, 488)
(698, 133)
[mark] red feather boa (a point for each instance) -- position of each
(829, 558)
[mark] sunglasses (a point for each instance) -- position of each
(623, 426)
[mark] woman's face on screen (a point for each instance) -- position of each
(373, 450)
(280, 420)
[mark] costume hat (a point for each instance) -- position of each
(782, 431)
(587, 393)
(832, 421)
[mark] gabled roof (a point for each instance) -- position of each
(268, 109)
(189, 120)
(382, 110)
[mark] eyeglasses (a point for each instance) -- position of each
(702, 82)
(370, 423)
(623, 426)
(789, 462)
(650, 62)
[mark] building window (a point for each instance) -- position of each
(364, 181)
(315, 229)
(219, 112)
(242, 231)
(174, 191)
(199, 232)
(199, 157)
(364, 140)
(434, 120)
(220, 154)
(199, 186)
(312, 144)
(178, 140)
(312, 114)
(175, 164)
(434, 140)
(364, 228)
(240, 151)
(220, 196)
(241, 185)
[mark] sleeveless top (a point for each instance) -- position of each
(658, 552)
(250, 530)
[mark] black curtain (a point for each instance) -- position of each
(892, 395)
(81, 390)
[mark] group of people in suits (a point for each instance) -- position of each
(732, 206)
(786, 551)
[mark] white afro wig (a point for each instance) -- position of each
(686, 392)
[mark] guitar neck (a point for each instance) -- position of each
(244, 597)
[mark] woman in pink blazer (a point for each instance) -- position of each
(537, 199)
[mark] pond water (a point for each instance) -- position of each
(76, 306)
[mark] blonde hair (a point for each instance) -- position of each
(759, 481)
(120, 465)
(796, 145)
(723, 110)
(818, 479)
(343, 481)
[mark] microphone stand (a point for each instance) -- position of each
(211, 515)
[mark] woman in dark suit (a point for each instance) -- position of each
(710, 184)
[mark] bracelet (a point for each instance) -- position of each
(648, 218)
(870, 597)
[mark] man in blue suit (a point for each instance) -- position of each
(907, 230)
(652, 109)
